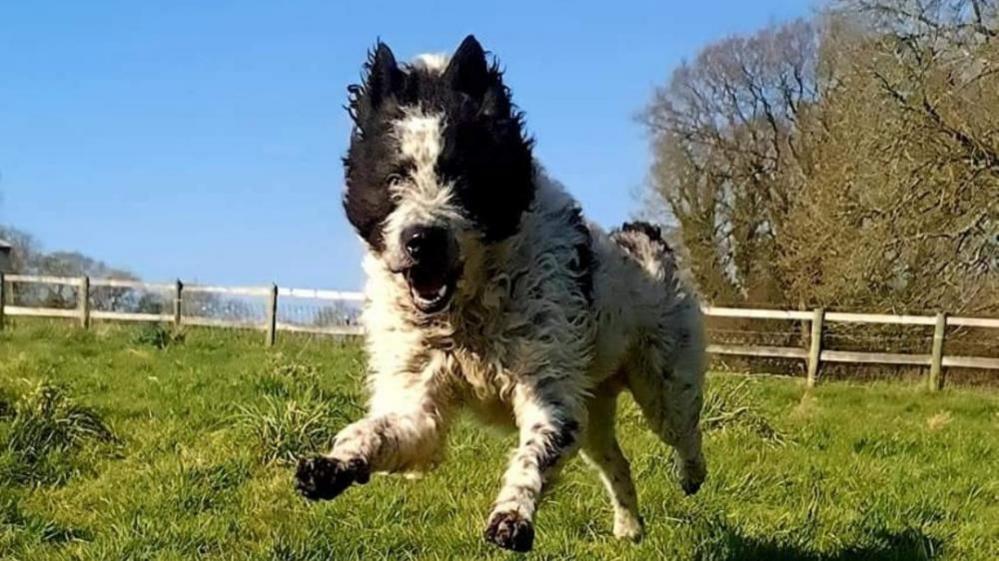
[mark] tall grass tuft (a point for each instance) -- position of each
(731, 406)
(46, 428)
(284, 377)
(286, 429)
(297, 416)
(13, 520)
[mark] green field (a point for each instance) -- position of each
(130, 443)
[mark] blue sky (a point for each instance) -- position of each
(202, 140)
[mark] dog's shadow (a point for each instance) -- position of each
(907, 545)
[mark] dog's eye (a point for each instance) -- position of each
(398, 173)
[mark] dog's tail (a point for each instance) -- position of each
(644, 243)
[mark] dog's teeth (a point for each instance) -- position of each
(442, 291)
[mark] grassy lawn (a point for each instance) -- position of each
(127, 443)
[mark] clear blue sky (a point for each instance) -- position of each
(203, 139)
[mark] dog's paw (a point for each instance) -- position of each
(690, 487)
(629, 527)
(692, 475)
(510, 530)
(322, 478)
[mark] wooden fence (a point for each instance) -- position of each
(814, 355)
(178, 290)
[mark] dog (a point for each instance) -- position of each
(487, 290)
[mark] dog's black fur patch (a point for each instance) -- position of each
(649, 231)
(321, 478)
(585, 263)
(371, 162)
(555, 444)
(510, 530)
(485, 152)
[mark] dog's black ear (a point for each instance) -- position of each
(382, 75)
(468, 72)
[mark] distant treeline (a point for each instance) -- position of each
(29, 258)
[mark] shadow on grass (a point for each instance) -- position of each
(729, 544)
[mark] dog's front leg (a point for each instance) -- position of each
(549, 425)
(402, 431)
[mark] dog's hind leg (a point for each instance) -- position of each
(666, 367)
(601, 450)
(670, 398)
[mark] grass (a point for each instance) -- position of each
(120, 443)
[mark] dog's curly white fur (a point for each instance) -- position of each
(487, 290)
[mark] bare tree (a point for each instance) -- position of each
(905, 211)
(727, 132)
(850, 161)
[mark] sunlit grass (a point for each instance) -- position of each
(120, 443)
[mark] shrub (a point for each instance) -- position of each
(158, 336)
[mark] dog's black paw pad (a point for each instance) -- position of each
(321, 478)
(510, 531)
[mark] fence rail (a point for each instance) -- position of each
(814, 355)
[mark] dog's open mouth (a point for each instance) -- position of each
(430, 287)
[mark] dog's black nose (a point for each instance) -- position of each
(423, 241)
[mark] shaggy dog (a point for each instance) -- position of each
(488, 290)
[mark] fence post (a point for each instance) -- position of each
(272, 308)
(83, 302)
(178, 303)
(936, 360)
(3, 300)
(815, 347)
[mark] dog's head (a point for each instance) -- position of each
(438, 166)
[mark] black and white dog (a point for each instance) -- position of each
(487, 289)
